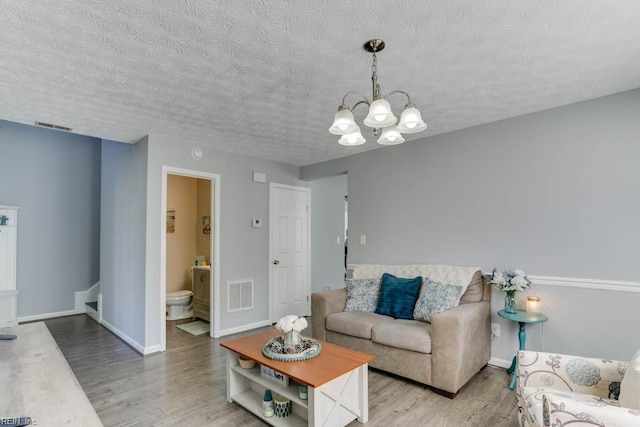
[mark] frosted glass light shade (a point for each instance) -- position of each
(390, 136)
(343, 122)
(380, 114)
(352, 139)
(411, 121)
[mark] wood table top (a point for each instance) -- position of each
(332, 361)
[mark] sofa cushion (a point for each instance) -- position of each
(362, 294)
(475, 290)
(398, 296)
(630, 384)
(355, 323)
(435, 298)
(403, 334)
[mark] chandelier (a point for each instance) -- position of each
(380, 116)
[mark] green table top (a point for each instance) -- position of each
(522, 316)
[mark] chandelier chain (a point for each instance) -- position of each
(374, 75)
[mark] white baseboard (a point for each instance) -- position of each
(152, 349)
(124, 337)
(499, 363)
(44, 316)
(243, 328)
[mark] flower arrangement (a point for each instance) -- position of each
(290, 323)
(509, 281)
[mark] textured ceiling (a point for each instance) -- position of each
(264, 78)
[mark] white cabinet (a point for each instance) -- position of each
(201, 293)
(8, 291)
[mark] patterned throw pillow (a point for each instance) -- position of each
(435, 298)
(362, 294)
(398, 296)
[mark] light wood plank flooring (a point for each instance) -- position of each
(185, 386)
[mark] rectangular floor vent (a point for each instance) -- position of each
(240, 295)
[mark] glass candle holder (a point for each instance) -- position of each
(534, 305)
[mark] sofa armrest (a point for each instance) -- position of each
(460, 344)
(563, 410)
(322, 305)
(563, 372)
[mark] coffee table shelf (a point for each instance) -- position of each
(290, 392)
(247, 386)
(252, 401)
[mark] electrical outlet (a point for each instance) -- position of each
(495, 329)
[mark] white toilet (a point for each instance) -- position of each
(179, 305)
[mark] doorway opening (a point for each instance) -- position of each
(190, 249)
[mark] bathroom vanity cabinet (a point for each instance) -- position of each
(201, 292)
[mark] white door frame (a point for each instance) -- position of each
(272, 186)
(214, 308)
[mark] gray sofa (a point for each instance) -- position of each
(443, 354)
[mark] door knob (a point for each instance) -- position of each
(276, 262)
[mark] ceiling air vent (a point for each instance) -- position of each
(52, 126)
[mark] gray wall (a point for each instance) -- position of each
(123, 238)
(327, 224)
(243, 250)
(54, 177)
(555, 193)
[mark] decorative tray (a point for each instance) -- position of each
(307, 349)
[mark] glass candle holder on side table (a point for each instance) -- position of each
(534, 305)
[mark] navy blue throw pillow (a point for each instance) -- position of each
(398, 296)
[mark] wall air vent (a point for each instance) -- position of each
(52, 126)
(240, 295)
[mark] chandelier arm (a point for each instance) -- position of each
(399, 91)
(366, 100)
(360, 102)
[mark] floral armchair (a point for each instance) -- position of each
(558, 390)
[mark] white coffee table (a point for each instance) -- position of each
(337, 381)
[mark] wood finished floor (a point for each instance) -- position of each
(185, 386)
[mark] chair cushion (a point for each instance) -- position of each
(355, 323)
(398, 296)
(630, 384)
(403, 334)
(566, 410)
(533, 398)
(362, 294)
(435, 298)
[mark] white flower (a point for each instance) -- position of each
(512, 280)
(285, 324)
(299, 324)
(520, 282)
(498, 277)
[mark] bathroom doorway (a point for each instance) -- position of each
(189, 249)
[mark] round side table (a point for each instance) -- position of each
(522, 318)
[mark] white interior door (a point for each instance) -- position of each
(290, 257)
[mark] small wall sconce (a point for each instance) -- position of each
(534, 305)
